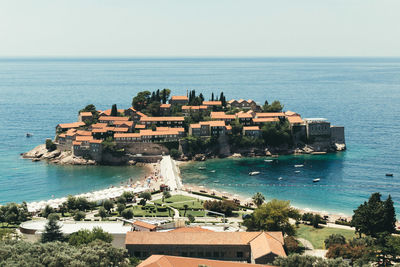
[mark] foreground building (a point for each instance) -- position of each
(173, 261)
(251, 247)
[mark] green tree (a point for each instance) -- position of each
(291, 245)
(127, 214)
(226, 206)
(308, 261)
(50, 146)
(191, 218)
(271, 216)
(140, 101)
(108, 205)
(46, 211)
(276, 106)
(175, 153)
(276, 133)
(88, 108)
(120, 207)
(166, 194)
(185, 207)
(145, 195)
(258, 199)
(52, 231)
(114, 110)
(334, 239)
(102, 212)
(79, 216)
(86, 236)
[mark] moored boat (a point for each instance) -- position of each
(316, 180)
(298, 165)
(389, 174)
(253, 173)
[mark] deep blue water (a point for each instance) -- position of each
(363, 94)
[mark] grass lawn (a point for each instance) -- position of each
(178, 201)
(318, 236)
(150, 211)
(195, 213)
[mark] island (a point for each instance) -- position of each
(187, 127)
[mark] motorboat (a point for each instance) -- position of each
(29, 135)
(297, 171)
(298, 165)
(212, 171)
(389, 174)
(280, 178)
(202, 168)
(268, 160)
(253, 173)
(316, 180)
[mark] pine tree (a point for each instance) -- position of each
(212, 96)
(201, 97)
(222, 99)
(158, 98)
(114, 110)
(389, 215)
(164, 96)
(52, 231)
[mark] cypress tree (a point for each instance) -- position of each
(389, 215)
(164, 96)
(114, 110)
(158, 98)
(212, 96)
(201, 97)
(52, 231)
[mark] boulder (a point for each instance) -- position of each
(37, 152)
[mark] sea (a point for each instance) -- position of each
(362, 94)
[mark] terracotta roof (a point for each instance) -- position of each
(170, 131)
(179, 129)
(267, 243)
(86, 133)
(195, 125)
(270, 114)
(62, 135)
(175, 261)
(190, 230)
(96, 141)
(109, 118)
(194, 107)
(291, 113)
(99, 130)
(108, 112)
(141, 114)
(86, 114)
(179, 97)
(251, 128)
(99, 125)
(165, 105)
(212, 103)
(222, 116)
(145, 225)
(140, 126)
(121, 129)
(162, 119)
(83, 138)
(127, 123)
(244, 115)
(231, 101)
(228, 127)
(71, 125)
(76, 143)
(213, 123)
(294, 119)
(261, 120)
(129, 135)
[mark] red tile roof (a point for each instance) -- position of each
(157, 119)
(190, 230)
(262, 120)
(145, 225)
(270, 114)
(85, 133)
(165, 105)
(86, 114)
(109, 118)
(83, 138)
(96, 141)
(175, 261)
(121, 129)
(212, 103)
(76, 143)
(179, 97)
(194, 107)
(251, 128)
(294, 119)
(127, 135)
(222, 116)
(140, 126)
(99, 125)
(71, 125)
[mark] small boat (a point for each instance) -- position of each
(389, 174)
(216, 181)
(316, 180)
(202, 168)
(253, 173)
(298, 165)
(297, 171)
(268, 160)
(29, 135)
(280, 178)
(212, 171)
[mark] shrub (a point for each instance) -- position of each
(291, 244)
(79, 216)
(334, 239)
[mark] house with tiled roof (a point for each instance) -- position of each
(143, 226)
(186, 110)
(179, 100)
(165, 109)
(162, 121)
(251, 131)
(175, 261)
(209, 128)
(251, 247)
(243, 104)
(211, 104)
(65, 126)
(85, 116)
(219, 115)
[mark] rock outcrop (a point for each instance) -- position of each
(40, 153)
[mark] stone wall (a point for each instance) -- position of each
(147, 149)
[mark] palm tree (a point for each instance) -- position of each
(258, 199)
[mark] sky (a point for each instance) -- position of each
(203, 28)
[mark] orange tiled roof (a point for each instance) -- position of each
(85, 133)
(194, 107)
(291, 113)
(294, 119)
(145, 225)
(267, 243)
(140, 126)
(212, 103)
(270, 114)
(141, 114)
(231, 101)
(222, 116)
(213, 123)
(262, 120)
(171, 131)
(195, 125)
(179, 97)
(127, 123)
(99, 130)
(175, 261)
(127, 135)
(251, 128)
(86, 114)
(108, 112)
(165, 105)
(63, 135)
(244, 115)
(121, 129)
(71, 125)
(99, 125)
(190, 230)
(156, 119)
(96, 141)
(83, 138)
(76, 143)
(109, 118)
(228, 127)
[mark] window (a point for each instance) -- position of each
(200, 254)
(184, 254)
(208, 253)
(239, 254)
(137, 254)
(216, 254)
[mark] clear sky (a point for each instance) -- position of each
(214, 28)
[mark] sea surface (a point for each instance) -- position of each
(362, 94)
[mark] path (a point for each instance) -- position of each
(309, 248)
(170, 173)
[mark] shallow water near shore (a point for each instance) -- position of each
(362, 94)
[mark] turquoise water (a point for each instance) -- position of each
(363, 94)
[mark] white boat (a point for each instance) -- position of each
(268, 160)
(298, 165)
(253, 173)
(212, 171)
(280, 178)
(297, 171)
(202, 168)
(316, 180)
